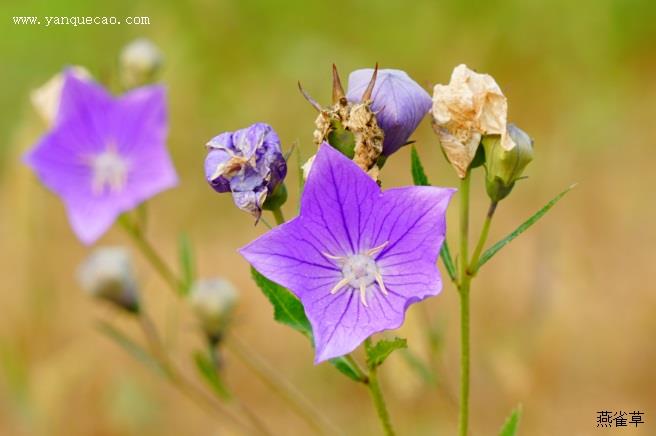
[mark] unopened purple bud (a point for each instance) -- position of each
(249, 163)
(398, 101)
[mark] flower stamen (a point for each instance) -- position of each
(109, 170)
(359, 271)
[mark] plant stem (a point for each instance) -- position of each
(268, 375)
(279, 217)
(464, 306)
(377, 395)
(473, 264)
(176, 285)
(151, 255)
(181, 384)
(379, 402)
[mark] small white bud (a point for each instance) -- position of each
(139, 63)
(213, 301)
(108, 274)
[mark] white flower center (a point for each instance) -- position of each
(110, 171)
(359, 271)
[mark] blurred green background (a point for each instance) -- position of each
(563, 320)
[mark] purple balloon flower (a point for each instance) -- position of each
(104, 155)
(248, 163)
(356, 257)
(399, 102)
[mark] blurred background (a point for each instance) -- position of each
(563, 320)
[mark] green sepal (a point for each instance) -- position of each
(276, 199)
(378, 352)
(341, 139)
(479, 158)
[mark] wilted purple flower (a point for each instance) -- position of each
(399, 102)
(248, 163)
(104, 155)
(356, 257)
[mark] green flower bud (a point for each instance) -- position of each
(107, 274)
(140, 62)
(213, 301)
(505, 166)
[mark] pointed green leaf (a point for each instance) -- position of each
(487, 255)
(207, 369)
(419, 178)
(345, 367)
(132, 348)
(377, 353)
(418, 174)
(512, 423)
(288, 310)
(186, 257)
(445, 254)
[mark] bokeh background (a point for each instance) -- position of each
(563, 320)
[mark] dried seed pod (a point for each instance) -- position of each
(351, 128)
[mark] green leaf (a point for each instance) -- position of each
(512, 423)
(186, 258)
(377, 353)
(445, 254)
(288, 310)
(132, 348)
(345, 367)
(419, 178)
(207, 369)
(487, 255)
(418, 174)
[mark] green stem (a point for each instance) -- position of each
(379, 402)
(150, 254)
(279, 217)
(464, 306)
(167, 274)
(377, 396)
(281, 387)
(473, 264)
(184, 386)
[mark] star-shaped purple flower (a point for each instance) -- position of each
(399, 102)
(356, 257)
(104, 155)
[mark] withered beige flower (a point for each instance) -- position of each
(45, 99)
(470, 106)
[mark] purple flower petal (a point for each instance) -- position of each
(400, 104)
(104, 155)
(348, 240)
